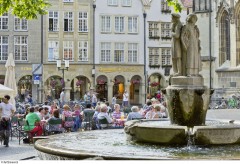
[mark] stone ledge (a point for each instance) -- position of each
(186, 81)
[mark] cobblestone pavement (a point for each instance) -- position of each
(27, 151)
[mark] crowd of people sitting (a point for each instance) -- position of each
(101, 116)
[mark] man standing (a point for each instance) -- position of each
(62, 98)
(125, 99)
(176, 45)
(6, 112)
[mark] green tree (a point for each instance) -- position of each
(28, 9)
(175, 4)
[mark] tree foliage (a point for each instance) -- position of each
(28, 9)
(175, 4)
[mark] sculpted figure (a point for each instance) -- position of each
(191, 47)
(176, 45)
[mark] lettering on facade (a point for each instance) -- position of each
(26, 68)
(118, 69)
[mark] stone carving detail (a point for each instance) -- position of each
(186, 49)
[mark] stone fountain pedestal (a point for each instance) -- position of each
(187, 100)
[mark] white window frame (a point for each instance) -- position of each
(53, 15)
(119, 52)
(112, 2)
(21, 44)
(119, 24)
(165, 29)
(83, 51)
(3, 46)
(153, 29)
(133, 24)
(127, 3)
(53, 47)
(66, 1)
(105, 23)
(132, 52)
(164, 6)
(4, 18)
(166, 56)
(105, 50)
(83, 21)
(153, 56)
(20, 24)
(69, 17)
(68, 50)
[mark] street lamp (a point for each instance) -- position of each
(59, 61)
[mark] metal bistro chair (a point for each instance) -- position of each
(88, 116)
(20, 128)
(14, 126)
(68, 123)
(103, 121)
(54, 126)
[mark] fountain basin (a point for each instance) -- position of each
(161, 131)
(112, 145)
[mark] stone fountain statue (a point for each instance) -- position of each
(187, 98)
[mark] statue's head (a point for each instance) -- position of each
(192, 18)
(175, 17)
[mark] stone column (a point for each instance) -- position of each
(110, 92)
(142, 93)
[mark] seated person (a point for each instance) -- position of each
(46, 114)
(67, 113)
(104, 115)
(116, 114)
(134, 114)
(156, 112)
(32, 125)
(78, 117)
(54, 128)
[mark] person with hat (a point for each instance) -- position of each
(176, 45)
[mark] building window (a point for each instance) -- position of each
(68, 0)
(105, 52)
(200, 5)
(105, 24)
(132, 52)
(153, 30)
(224, 37)
(53, 21)
(68, 50)
(112, 2)
(166, 30)
(53, 50)
(68, 21)
(132, 24)
(20, 24)
(164, 7)
(119, 52)
(166, 56)
(154, 57)
(3, 48)
(4, 21)
(21, 48)
(127, 3)
(83, 51)
(119, 24)
(83, 22)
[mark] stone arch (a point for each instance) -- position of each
(101, 87)
(54, 86)
(79, 85)
(155, 82)
(24, 85)
(119, 82)
(135, 89)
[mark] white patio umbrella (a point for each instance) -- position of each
(10, 79)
